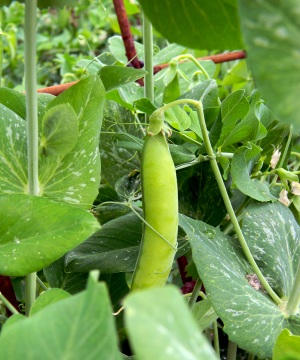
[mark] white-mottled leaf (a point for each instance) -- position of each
(223, 267)
(273, 236)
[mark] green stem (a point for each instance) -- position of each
(282, 159)
(195, 61)
(229, 207)
(42, 285)
(148, 53)
(231, 350)
(7, 304)
(292, 307)
(216, 339)
(32, 122)
(195, 293)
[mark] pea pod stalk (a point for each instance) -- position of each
(160, 207)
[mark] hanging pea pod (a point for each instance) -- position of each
(160, 206)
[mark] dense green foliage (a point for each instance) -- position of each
(232, 132)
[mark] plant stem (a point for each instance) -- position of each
(8, 305)
(292, 307)
(32, 122)
(229, 207)
(195, 61)
(216, 339)
(195, 293)
(231, 350)
(42, 285)
(148, 53)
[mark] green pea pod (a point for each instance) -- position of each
(160, 206)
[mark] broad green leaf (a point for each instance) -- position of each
(199, 195)
(167, 336)
(241, 165)
(75, 178)
(117, 285)
(272, 31)
(79, 327)
(204, 314)
(233, 108)
(116, 76)
(196, 24)
(59, 131)
(47, 298)
(273, 237)
(13, 153)
(223, 268)
(287, 346)
(36, 231)
(57, 277)
(114, 248)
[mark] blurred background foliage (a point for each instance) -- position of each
(64, 37)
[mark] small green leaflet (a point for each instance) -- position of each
(242, 163)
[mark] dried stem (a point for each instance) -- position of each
(126, 33)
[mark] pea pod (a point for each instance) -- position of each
(160, 207)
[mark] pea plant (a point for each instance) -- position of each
(183, 242)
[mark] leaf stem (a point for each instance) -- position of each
(148, 53)
(32, 122)
(7, 304)
(216, 338)
(292, 307)
(231, 350)
(195, 293)
(229, 207)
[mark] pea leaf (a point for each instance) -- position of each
(46, 298)
(182, 22)
(242, 163)
(287, 346)
(67, 329)
(272, 33)
(204, 314)
(75, 177)
(59, 131)
(57, 277)
(222, 267)
(199, 195)
(272, 235)
(36, 231)
(233, 108)
(116, 76)
(167, 336)
(113, 249)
